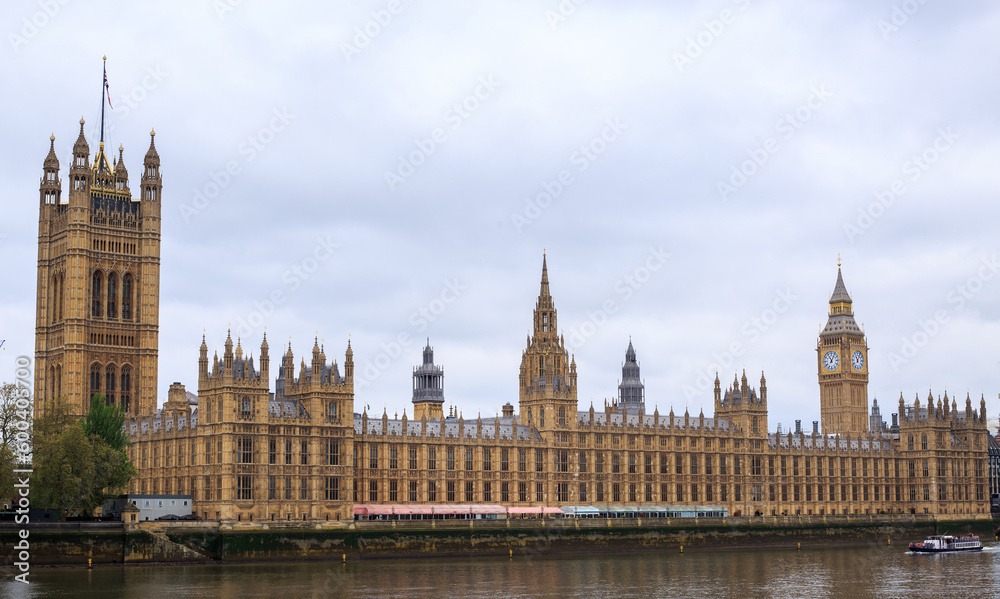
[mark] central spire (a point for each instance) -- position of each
(545, 311)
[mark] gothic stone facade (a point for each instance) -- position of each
(97, 308)
(302, 454)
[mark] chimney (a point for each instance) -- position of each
(815, 427)
(798, 427)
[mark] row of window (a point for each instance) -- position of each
(104, 303)
(110, 245)
(114, 384)
(392, 491)
(633, 463)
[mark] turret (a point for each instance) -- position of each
(717, 392)
(349, 365)
(79, 172)
(265, 361)
(121, 173)
(81, 153)
(316, 367)
(631, 391)
(50, 187)
(428, 386)
(227, 357)
(203, 361)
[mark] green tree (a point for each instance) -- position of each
(9, 417)
(106, 422)
(75, 471)
(8, 413)
(6, 475)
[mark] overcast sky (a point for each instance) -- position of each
(392, 171)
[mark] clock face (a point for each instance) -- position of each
(857, 360)
(831, 360)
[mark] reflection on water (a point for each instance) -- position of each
(875, 571)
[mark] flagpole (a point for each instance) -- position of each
(103, 79)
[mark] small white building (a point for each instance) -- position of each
(152, 507)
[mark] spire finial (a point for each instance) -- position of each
(838, 259)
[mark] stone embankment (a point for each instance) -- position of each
(73, 544)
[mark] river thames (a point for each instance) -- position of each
(856, 572)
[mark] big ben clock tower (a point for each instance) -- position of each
(842, 361)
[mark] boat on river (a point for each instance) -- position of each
(947, 544)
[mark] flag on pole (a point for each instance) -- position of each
(106, 88)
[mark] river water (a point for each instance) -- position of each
(858, 572)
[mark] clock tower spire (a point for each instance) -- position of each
(842, 363)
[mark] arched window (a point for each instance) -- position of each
(923, 441)
(245, 407)
(112, 295)
(54, 294)
(59, 297)
(59, 380)
(95, 308)
(95, 379)
(909, 442)
(562, 416)
(52, 382)
(331, 409)
(109, 385)
(127, 297)
(126, 387)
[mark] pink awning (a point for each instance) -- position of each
(427, 509)
(534, 510)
